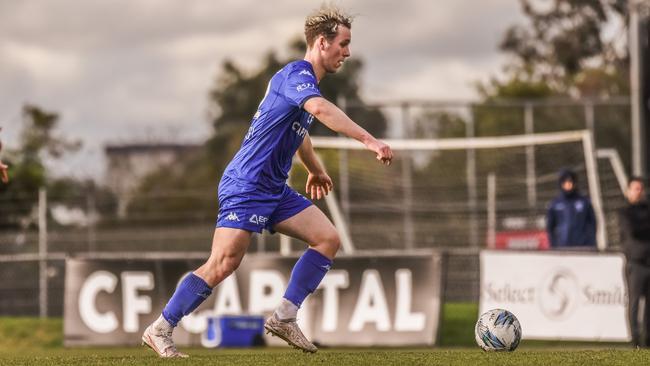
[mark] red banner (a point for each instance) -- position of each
(531, 239)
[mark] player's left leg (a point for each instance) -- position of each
(313, 227)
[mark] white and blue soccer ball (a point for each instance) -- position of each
(498, 330)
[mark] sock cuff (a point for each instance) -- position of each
(169, 318)
(314, 257)
(197, 285)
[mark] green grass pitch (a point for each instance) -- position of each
(30, 341)
(281, 356)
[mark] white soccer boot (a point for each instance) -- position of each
(161, 342)
(289, 331)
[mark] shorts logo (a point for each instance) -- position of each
(232, 217)
(258, 219)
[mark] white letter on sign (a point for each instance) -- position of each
(132, 304)
(333, 281)
(371, 305)
(97, 322)
(405, 321)
(259, 300)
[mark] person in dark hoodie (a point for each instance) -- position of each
(570, 220)
(634, 224)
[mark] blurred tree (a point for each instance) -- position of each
(567, 49)
(75, 193)
(38, 141)
(565, 46)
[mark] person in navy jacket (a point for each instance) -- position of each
(570, 220)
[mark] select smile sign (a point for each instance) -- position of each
(563, 295)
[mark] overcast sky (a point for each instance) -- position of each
(121, 71)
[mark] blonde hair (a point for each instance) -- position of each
(325, 21)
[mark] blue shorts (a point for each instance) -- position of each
(247, 207)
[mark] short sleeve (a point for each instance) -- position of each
(301, 85)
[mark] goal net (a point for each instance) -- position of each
(437, 192)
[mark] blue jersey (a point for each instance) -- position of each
(277, 129)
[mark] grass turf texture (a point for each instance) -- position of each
(30, 341)
(281, 356)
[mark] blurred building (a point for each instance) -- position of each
(129, 164)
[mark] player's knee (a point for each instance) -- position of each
(222, 266)
(333, 241)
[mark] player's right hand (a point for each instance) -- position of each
(318, 185)
(383, 151)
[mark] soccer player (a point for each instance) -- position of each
(253, 194)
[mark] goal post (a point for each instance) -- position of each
(501, 147)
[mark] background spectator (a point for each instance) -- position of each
(634, 221)
(570, 220)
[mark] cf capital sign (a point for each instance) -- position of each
(392, 300)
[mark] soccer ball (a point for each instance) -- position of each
(497, 330)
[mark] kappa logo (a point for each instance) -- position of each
(305, 72)
(258, 219)
(232, 217)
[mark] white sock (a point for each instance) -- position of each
(286, 310)
(162, 324)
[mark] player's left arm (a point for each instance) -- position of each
(301, 90)
(336, 120)
(319, 184)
